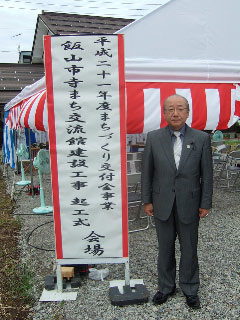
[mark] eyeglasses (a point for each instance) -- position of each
(178, 110)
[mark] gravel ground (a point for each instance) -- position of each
(219, 260)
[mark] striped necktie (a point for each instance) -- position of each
(177, 148)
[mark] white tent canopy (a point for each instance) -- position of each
(27, 92)
(185, 41)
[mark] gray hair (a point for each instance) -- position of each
(176, 95)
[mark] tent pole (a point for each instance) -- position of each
(16, 160)
(14, 150)
(31, 162)
(16, 164)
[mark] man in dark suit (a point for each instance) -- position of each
(177, 185)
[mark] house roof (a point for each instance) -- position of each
(14, 77)
(64, 23)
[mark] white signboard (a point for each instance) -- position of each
(86, 118)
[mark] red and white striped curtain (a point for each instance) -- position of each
(212, 106)
(34, 112)
(29, 113)
(13, 116)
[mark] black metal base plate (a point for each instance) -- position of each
(51, 280)
(131, 295)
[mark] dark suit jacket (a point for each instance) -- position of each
(191, 184)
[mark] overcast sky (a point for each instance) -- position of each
(18, 18)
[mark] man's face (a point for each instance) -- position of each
(176, 112)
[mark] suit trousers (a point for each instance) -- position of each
(167, 232)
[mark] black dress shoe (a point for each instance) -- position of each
(193, 302)
(160, 297)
